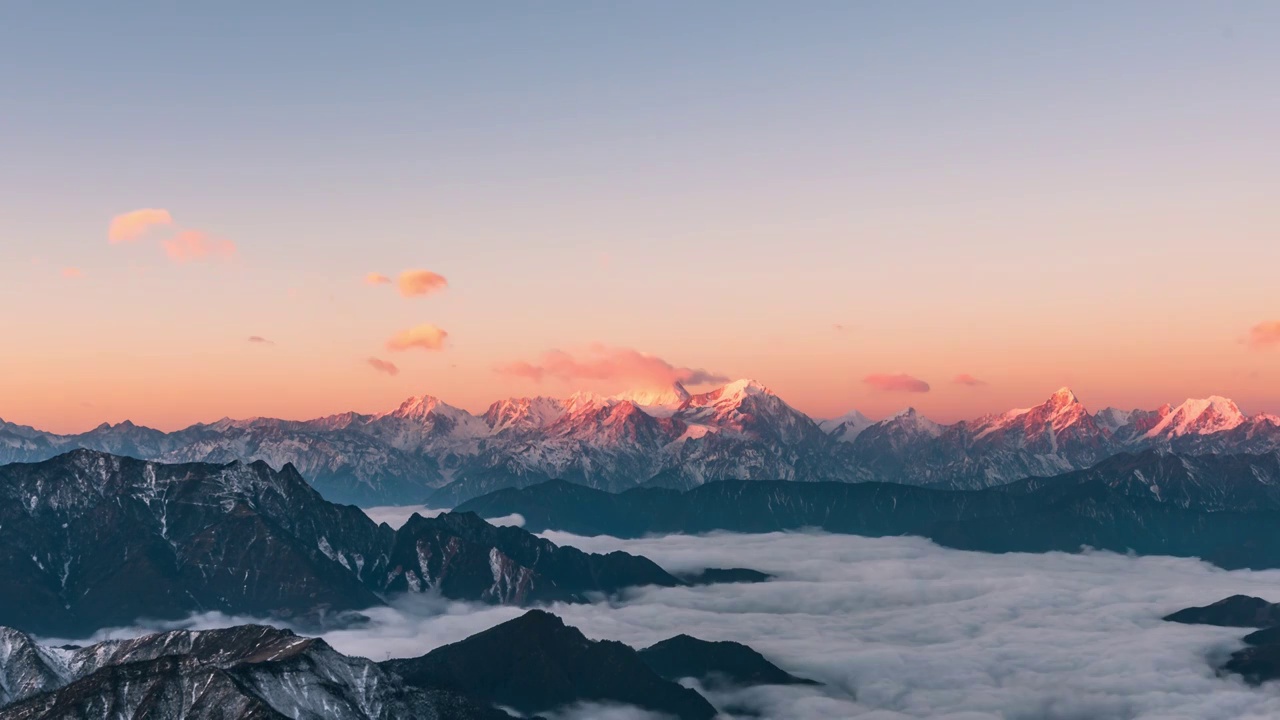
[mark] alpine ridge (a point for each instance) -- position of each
(427, 450)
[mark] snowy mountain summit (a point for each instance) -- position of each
(667, 436)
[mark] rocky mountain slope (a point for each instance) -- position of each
(242, 673)
(95, 540)
(426, 448)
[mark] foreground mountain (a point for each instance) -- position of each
(715, 663)
(1222, 509)
(94, 540)
(242, 673)
(1260, 661)
(536, 663)
(668, 437)
(1235, 611)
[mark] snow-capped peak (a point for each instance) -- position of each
(846, 427)
(675, 394)
(585, 400)
(744, 387)
(418, 407)
(911, 420)
(525, 413)
(1202, 416)
(658, 402)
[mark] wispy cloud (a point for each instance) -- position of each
(189, 245)
(605, 363)
(383, 366)
(132, 225)
(72, 273)
(414, 283)
(259, 340)
(969, 380)
(422, 337)
(896, 382)
(1265, 335)
(374, 278)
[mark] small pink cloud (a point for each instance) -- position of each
(896, 382)
(259, 340)
(72, 273)
(382, 366)
(374, 278)
(522, 369)
(1265, 335)
(969, 380)
(132, 225)
(414, 283)
(423, 337)
(604, 363)
(189, 245)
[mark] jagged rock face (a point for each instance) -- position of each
(95, 540)
(536, 663)
(1221, 509)
(461, 556)
(245, 672)
(666, 438)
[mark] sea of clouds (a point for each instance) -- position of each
(902, 628)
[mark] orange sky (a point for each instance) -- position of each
(808, 199)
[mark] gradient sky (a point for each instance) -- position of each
(810, 194)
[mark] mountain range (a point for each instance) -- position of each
(1221, 508)
(426, 450)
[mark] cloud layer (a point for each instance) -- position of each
(374, 278)
(422, 337)
(1265, 335)
(969, 380)
(896, 382)
(415, 283)
(605, 363)
(900, 628)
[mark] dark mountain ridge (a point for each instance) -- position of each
(1219, 508)
(95, 540)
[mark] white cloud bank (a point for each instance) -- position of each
(901, 628)
(397, 515)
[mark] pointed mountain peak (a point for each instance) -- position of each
(418, 406)
(1063, 397)
(911, 421)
